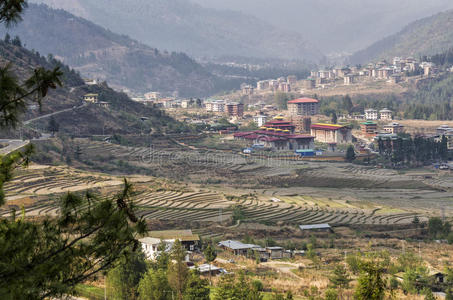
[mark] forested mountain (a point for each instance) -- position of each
(121, 61)
(340, 25)
(427, 36)
(122, 116)
(181, 25)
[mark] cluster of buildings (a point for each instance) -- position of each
(383, 114)
(279, 134)
(281, 84)
(369, 129)
(393, 72)
(232, 109)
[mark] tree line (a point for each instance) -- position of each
(418, 150)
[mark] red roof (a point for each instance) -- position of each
(303, 100)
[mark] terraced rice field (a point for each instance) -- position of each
(45, 180)
(313, 214)
(203, 206)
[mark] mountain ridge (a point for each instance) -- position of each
(427, 36)
(179, 25)
(119, 60)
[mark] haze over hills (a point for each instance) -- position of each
(341, 25)
(121, 61)
(123, 115)
(427, 36)
(181, 25)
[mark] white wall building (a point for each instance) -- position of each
(215, 106)
(260, 120)
(386, 114)
(150, 246)
(371, 114)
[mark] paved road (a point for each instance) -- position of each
(13, 145)
(54, 113)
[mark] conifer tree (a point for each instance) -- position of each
(177, 270)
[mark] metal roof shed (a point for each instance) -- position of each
(315, 227)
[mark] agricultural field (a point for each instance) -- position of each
(38, 189)
(306, 192)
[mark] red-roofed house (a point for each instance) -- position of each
(331, 133)
(303, 107)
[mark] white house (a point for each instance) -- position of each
(260, 120)
(151, 245)
(371, 114)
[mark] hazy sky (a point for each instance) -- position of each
(348, 24)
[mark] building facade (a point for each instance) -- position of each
(303, 107)
(369, 129)
(371, 114)
(260, 120)
(331, 133)
(215, 106)
(394, 128)
(386, 114)
(235, 109)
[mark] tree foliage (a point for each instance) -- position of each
(177, 270)
(371, 285)
(196, 288)
(231, 287)
(350, 154)
(123, 279)
(154, 286)
(48, 258)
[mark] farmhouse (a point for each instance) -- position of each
(152, 247)
(237, 248)
(275, 252)
(303, 107)
(331, 133)
(189, 240)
